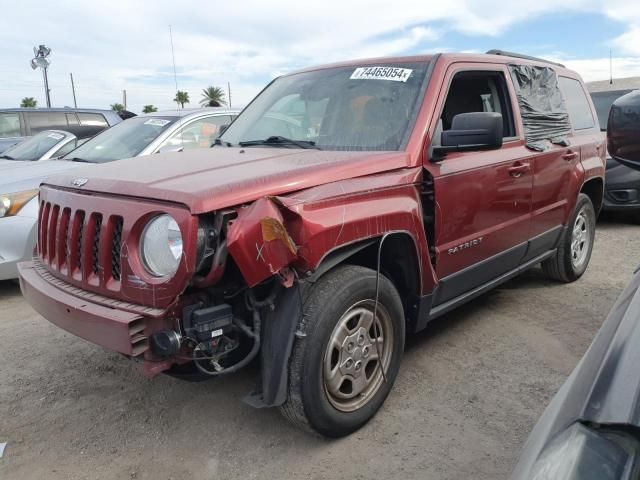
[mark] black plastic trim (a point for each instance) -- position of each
(479, 273)
(544, 242)
(470, 295)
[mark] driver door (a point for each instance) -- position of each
(483, 198)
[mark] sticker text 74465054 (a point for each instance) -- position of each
(395, 74)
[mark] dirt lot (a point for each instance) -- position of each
(469, 391)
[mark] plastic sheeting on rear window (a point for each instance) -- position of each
(544, 113)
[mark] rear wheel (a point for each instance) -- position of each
(576, 245)
(336, 379)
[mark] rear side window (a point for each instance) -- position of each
(577, 104)
(93, 120)
(9, 125)
(39, 121)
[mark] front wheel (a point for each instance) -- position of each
(576, 245)
(344, 366)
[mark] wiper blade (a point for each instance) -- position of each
(7, 157)
(277, 140)
(78, 159)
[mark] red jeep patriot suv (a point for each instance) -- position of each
(345, 208)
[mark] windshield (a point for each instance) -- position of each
(124, 140)
(603, 101)
(342, 108)
(35, 147)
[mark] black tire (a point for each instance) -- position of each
(561, 266)
(309, 404)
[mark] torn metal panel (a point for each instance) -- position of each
(276, 234)
(542, 108)
(259, 242)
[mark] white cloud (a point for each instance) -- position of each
(110, 46)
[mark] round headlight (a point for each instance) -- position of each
(161, 246)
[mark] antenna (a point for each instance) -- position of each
(173, 57)
(175, 78)
(610, 68)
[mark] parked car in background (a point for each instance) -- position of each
(46, 145)
(168, 131)
(622, 184)
(347, 206)
(591, 428)
(18, 123)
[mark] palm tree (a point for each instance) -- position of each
(29, 102)
(117, 107)
(213, 97)
(181, 98)
(149, 109)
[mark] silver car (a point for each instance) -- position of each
(143, 135)
(168, 131)
(43, 146)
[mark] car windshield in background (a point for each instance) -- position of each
(124, 140)
(344, 108)
(33, 148)
(603, 101)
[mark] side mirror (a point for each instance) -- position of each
(470, 131)
(222, 129)
(623, 130)
(170, 148)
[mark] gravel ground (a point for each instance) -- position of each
(469, 391)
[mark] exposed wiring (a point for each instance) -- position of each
(375, 308)
(254, 334)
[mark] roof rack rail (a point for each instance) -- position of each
(519, 55)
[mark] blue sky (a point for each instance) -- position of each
(125, 45)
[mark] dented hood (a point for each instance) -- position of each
(209, 179)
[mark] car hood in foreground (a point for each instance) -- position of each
(208, 179)
(29, 175)
(604, 389)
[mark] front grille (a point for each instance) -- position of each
(80, 233)
(72, 243)
(95, 246)
(83, 239)
(116, 246)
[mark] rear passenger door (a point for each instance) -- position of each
(483, 198)
(553, 186)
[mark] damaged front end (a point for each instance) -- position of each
(244, 274)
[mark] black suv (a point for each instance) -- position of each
(17, 123)
(622, 184)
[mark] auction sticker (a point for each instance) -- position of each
(55, 136)
(395, 74)
(156, 122)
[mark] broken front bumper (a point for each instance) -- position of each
(112, 328)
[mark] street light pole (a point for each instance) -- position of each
(40, 60)
(46, 87)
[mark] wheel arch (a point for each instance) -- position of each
(399, 261)
(594, 189)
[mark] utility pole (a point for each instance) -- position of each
(40, 60)
(229, 90)
(73, 89)
(124, 98)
